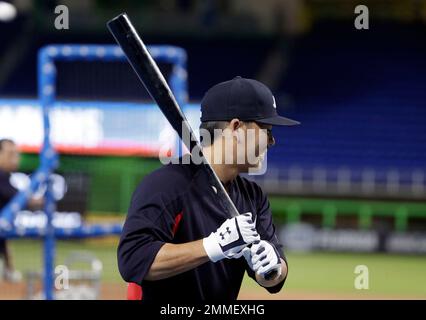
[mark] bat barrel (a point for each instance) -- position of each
(148, 72)
(119, 25)
(151, 77)
(138, 56)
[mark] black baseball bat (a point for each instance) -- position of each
(152, 79)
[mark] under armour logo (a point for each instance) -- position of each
(223, 234)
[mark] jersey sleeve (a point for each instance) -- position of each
(267, 231)
(7, 191)
(148, 226)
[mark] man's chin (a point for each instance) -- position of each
(260, 167)
(245, 168)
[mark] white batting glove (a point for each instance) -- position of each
(231, 238)
(263, 258)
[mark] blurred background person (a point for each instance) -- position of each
(9, 163)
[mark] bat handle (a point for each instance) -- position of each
(270, 274)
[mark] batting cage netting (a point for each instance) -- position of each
(97, 133)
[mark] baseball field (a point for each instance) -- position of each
(311, 275)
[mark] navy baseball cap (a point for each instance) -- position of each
(245, 99)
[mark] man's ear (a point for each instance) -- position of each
(235, 126)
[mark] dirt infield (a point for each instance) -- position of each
(117, 291)
(10, 291)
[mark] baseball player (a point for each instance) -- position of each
(9, 162)
(177, 241)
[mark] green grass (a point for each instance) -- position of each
(333, 273)
(28, 255)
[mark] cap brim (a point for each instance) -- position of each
(279, 121)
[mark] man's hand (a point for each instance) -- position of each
(263, 258)
(231, 238)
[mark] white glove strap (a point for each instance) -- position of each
(213, 249)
